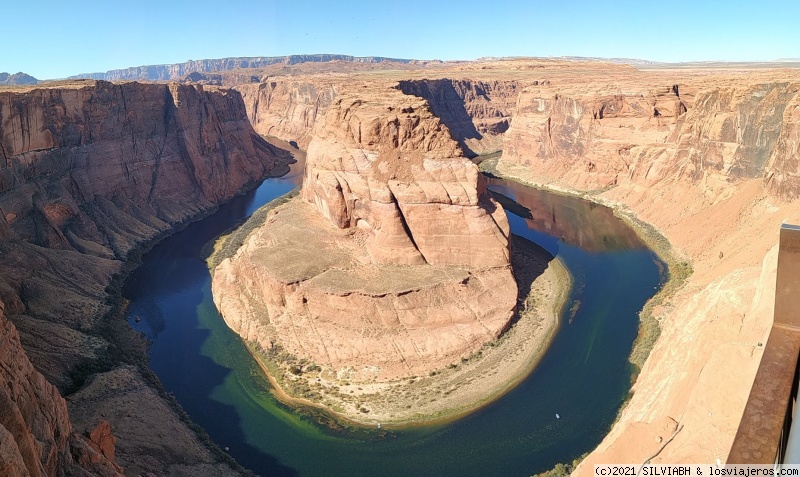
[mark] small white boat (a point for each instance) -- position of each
(557, 416)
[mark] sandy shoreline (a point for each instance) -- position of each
(449, 393)
(679, 269)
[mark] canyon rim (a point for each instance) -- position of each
(94, 171)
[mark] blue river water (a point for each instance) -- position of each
(584, 376)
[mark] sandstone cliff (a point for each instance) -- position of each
(287, 108)
(36, 437)
(711, 161)
(393, 170)
(91, 171)
(707, 157)
(648, 133)
(404, 262)
(591, 138)
(476, 112)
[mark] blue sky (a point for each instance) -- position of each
(53, 39)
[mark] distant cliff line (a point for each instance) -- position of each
(179, 70)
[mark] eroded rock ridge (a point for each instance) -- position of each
(36, 437)
(593, 139)
(177, 71)
(708, 157)
(408, 270)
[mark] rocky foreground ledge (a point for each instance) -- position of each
(393, 265)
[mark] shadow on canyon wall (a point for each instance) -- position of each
(588, 225)
(449, 106)
(528, 262)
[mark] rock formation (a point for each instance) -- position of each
(405, 265)
(36, 437)
(89, 172)
(709, 157)
(650, 133)
(393, 170)
(179, 70)
(287, 108)
(592, 136)
(477, 113)
(93, 171)
(711, 161)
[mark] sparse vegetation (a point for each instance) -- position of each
(488, 165)
(128, 347)
(228, 244)
(676, 274)
(562, 470)
(678, 271)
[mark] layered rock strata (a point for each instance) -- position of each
(647, 134)
(392, 170)
(402, 265)
(709, 157)
(287, 108)
(177, 71)
(711, 161)
(89, 172)
(36, 437)
(476, 112)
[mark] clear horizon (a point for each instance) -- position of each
(56, 40)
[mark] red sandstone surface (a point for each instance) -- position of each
(89, 172)
(708, 157)
(404, 267)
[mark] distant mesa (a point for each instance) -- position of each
(179, 71)
(17, 78)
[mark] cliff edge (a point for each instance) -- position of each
(90, 173)
(710, 161)
(36, 436)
